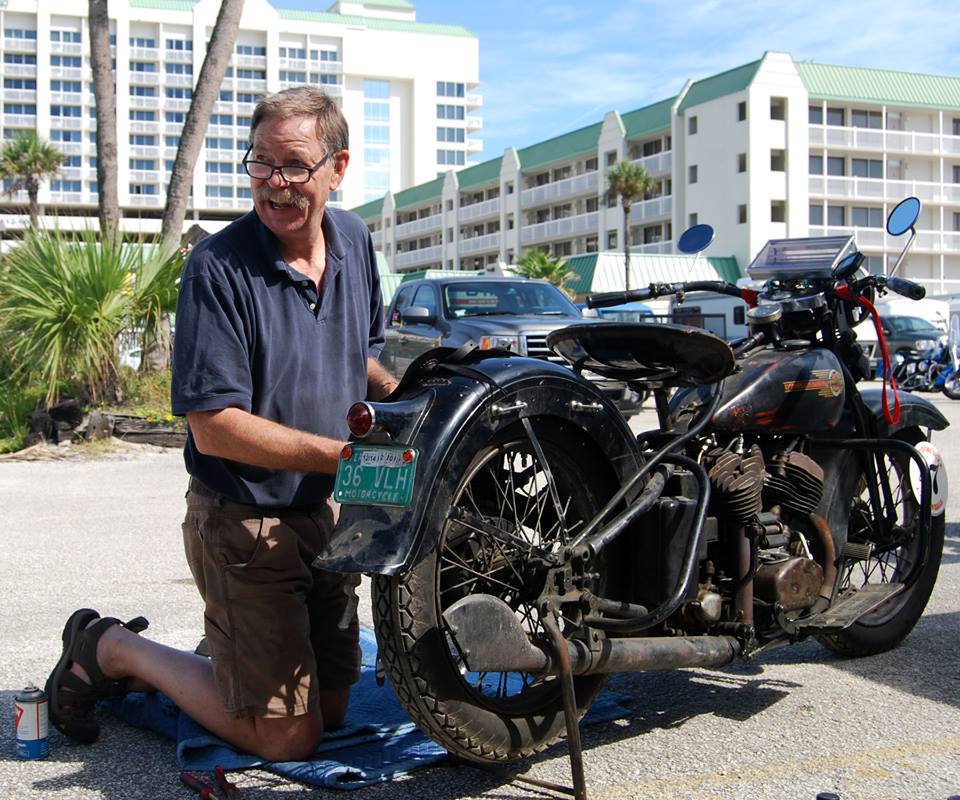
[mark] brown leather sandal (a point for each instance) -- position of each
(72, 699)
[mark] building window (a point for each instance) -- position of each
(778, 161)
(692, 220)
(449, 89)
(866, 168)
(143, 140)
(21, 58)
(251, 50)
(135, 91)
(611, 158)
(143, 188)
(692, 125)
(179, 44)
(742, 214)
(778, 211)
(956, 126)
(741, 111)
(58, 135)
(816, 214)
(866, 217)
(956, 220)
(66, 111)
(956, 173)
(183, 69)
(836, 215)
(611, 240)
(860, 118)
(835, 165)
(815, 116)
(293, 76)
(816, 165)
(778, 108)
(692, 173)
(73, 62)
(835, 116)
(741, 162)
(65, 36)
(65, 186)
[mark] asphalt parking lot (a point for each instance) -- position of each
(105, 533)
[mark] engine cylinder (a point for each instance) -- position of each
(794, 583)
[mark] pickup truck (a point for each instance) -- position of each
(493, 312)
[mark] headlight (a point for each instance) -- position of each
(898, 358)
(500, 343)
(924, 344)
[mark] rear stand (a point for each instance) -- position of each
(562, 656)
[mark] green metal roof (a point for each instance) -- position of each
(375, 23)
(369, 211)
(419, 195)
(648, 119)
(478, 174)
(729, 82)
(560, 148)
(603, 272)
(831, 82)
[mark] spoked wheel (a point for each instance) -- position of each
(540, 504)
(894, 547)
(951, 387)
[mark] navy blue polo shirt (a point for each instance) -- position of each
(253, 333)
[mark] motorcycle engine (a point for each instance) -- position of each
(774, 498)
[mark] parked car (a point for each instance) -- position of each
(510, 313)
(910, 335)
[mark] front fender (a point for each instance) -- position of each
(451, 414)
(915, 411)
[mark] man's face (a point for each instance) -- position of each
(293, 209)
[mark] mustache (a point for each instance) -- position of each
(286, 196)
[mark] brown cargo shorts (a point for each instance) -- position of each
(278, 630)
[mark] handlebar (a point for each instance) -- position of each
(607, 299)
(907, 288)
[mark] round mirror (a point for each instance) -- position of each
(848, 266)
(903, 216)
(695, 239)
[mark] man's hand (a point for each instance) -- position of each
(380, 382)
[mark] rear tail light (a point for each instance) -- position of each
(360, 419)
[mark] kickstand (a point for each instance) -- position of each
(579, 790)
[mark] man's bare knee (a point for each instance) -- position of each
(288, 738)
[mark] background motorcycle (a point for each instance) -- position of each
(524, 543)
(933, 370)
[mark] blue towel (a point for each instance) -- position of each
(376, 743)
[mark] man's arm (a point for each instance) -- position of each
(244, 437)
(380, 382)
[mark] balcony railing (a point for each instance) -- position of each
(252, 84)
(474, 123)
(13, 45)
(176, 104)
(144, 126)
(664, 247)
(64, 123)
(145, 176)
(654, 208)
(22, 121)
(330, 67)
(883, 190)
(143, 102)
(178, 56)
(474, 100)
(921, 142)
(489, 241)
(143, 151)
(431, 223)
(70, 148)
(66, 197)
(656, 164)
(62, 73)
(173, 79)
(144, 53)
(294, 63)
(67, 48)
(249, 61)
(20, 70)
(28, 95)
(424, 255)
(146, 200)
(587, 183)
(485, 208)
(879, 239)
(144, 78)
(555, 228)
(377, 237)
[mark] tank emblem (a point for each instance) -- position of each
(825, 382)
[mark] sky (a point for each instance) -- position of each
(549, 67)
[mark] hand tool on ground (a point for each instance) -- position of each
(228, 787)
(202, 788)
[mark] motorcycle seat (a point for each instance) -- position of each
(671, 355)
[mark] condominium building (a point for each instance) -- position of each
(406, 87)
(775, 148)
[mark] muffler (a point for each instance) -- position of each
(490, 638)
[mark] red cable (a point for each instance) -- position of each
(844, 293)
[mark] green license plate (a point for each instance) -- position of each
(377, 475)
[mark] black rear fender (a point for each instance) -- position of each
(450, 415)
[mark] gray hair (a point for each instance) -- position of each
(306, 101)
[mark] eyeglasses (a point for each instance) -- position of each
(291, 173)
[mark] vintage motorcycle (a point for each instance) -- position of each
(932, 370)
(524, 543)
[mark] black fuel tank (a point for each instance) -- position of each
(798, 391)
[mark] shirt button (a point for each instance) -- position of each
(304, 284)
(313, 306)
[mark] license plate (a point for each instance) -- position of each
(377, 475)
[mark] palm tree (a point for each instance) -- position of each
(104, 92)
(24, 162)
(198, 117)
(537, 264)
(631, 182)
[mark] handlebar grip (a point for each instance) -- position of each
(907, 288)
(617, 298)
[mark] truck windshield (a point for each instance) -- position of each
(489, 297)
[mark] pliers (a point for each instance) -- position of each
(208, 792)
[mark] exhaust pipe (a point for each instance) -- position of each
(491, 639)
